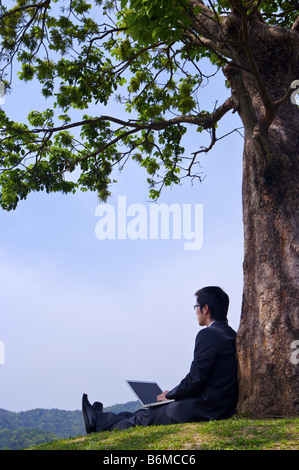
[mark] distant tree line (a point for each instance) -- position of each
(22, 438)
(28, 428)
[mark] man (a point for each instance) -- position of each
(210, 389)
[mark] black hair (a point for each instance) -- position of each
(216, 299)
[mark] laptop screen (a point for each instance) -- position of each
(146, 391)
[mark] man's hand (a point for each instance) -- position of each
(162, 397)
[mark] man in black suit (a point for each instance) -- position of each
(210, 389)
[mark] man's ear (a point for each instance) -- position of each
(205, 309)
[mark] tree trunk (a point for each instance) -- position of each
(269, 326)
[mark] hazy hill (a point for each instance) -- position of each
(15, 439)
(26, 428)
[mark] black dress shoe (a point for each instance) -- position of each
(89, 415)
(98, 406)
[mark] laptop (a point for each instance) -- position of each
(147, 393)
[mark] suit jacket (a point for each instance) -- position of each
(210, 389)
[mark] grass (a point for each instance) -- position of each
(233, 434)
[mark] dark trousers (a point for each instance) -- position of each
(143, 417)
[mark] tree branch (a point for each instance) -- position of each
(295, 26)
(204, 21)
(25, 7)
(270, 108)
(204, 120)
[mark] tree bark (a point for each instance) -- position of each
(268, 373)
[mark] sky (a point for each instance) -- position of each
(80, 314)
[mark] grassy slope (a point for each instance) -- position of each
(235, 433)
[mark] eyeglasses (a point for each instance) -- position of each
(196, 306)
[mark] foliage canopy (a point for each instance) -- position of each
(149, 55)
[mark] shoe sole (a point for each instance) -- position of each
(86, 420)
